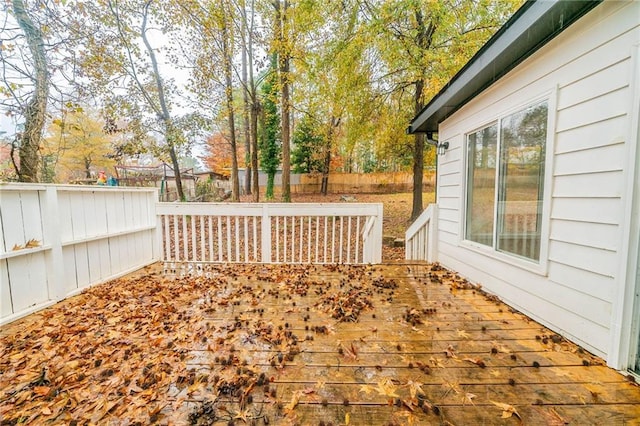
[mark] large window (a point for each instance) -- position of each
(505, 182)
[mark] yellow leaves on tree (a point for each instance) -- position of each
(77, 145)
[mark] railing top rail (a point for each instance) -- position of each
(18, 186)
(274, 209)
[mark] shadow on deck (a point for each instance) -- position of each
(262, 344)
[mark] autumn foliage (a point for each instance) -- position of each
(219, 154)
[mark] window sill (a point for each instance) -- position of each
(538, 268)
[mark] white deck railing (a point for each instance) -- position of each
(421, 238)
(56, 240)
(270, 233)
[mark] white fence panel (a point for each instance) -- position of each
(270, 233)
(57, 240)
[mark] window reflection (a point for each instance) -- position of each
(482, 147)
(519, 176)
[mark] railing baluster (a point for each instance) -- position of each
(333, 240)
(202, 256)
(326, 243)
(255, 238)
(301, 234)
(309, 239)
(236, 222)
(220, 252)
(246, 239)
(277, 239)
(317, 233)
(284, 242)
(211, 254)
(425, 238)
(349, 240)
(229, 242)
(357, 238)
(185, 239)
(193, 238)
(341, 247)
(294, 239)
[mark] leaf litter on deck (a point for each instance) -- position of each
(241, 343)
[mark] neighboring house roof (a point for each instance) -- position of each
(530, 28)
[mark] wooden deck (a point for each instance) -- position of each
(308, 345)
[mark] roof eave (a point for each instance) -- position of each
(531, 27)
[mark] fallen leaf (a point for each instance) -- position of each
(41, 390)
(308, 390)
(463, 334)
(32, 243)
(367, 389)
(294, 401)
(468, 398)
(556, 417)
(450, 352)
(415, 388)
(350, 352)
(477, 361)
(242, 416)
(387, 388)
(436, 362)
(507, 410)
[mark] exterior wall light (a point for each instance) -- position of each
(442, 147)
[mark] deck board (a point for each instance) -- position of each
(430, 350)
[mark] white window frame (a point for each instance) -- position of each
(539, 267)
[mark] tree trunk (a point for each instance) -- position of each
(418, 157)
(87, 168)
(424, 39)
(255, 110)
(164, 114)
(35, 111)
(270, 183)
(324, 186)
(245, 111)
(235, 184)
(254, 144)
(284, 59)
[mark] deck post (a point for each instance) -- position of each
(432, 235)
(266, 234)
(377, 235)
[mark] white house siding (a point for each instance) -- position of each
(588, 74)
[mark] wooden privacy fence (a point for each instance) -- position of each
(270, 233)
(59, 239)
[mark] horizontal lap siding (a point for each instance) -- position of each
(590, 68)
(529, 294)
(450, 176)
